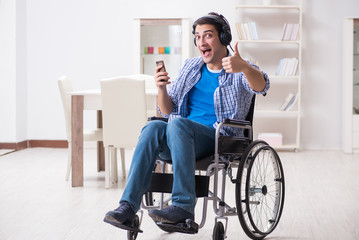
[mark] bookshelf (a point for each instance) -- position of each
(350, 94)
(276, 48)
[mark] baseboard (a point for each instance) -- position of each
(15, 146)
(35, 143)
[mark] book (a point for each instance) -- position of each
(290, 67)
(284, 30)
(289, 102)
(293, 67)
(287, 67)
(239, 31)
(277, 71)
(286, 101)
(290, 32)
(244, 33)
(294, 33)
(247, 31)
(284, 66)
(253, 30)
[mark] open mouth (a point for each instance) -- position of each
(206, 52)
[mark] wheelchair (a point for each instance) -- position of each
(255, 169)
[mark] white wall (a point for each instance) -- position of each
(7, 71)
(90, 40)
(321, 88)
(13, 96)
(87, 41)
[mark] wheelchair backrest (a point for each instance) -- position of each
(250, 115)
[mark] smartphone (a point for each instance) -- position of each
(163, 68)
(161, 63)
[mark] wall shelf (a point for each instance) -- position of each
(270, 41)
(276, 114)
(298, 7)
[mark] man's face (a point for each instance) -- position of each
(209, 45)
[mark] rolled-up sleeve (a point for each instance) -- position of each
(266, 78)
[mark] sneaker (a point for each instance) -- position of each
(171, 214)
(123, 215)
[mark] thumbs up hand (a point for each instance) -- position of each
(234, 63)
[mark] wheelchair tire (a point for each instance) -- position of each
(218, 231)
(131, 235)
(260, 190)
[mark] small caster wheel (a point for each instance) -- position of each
(132, 235)
(218, 231)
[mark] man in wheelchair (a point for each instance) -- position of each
(217, 85)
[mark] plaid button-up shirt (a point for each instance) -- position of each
(232, 99)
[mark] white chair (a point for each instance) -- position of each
(150, 98)
(65, 86)
(124, 114)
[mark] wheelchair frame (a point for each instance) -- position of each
(252, 189)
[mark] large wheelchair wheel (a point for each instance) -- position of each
(259, 190)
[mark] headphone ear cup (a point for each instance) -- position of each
(222, 38)
(194, 41)
(225, 36)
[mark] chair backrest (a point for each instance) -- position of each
(151, 87)
(65, 86)
(123, 111)
(149, 80)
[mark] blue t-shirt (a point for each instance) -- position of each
(201, 99)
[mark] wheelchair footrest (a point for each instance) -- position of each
(189, 226)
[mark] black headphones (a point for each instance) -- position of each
(225, 35)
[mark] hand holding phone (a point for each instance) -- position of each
(162, 69)
(161, 63)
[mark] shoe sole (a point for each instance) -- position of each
(188, 227)
(126, 226)
(157, 218)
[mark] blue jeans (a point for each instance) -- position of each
(180, 140)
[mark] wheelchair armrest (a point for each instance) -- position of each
(236, 122)
(157, 118)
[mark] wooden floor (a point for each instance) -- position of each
(322, 199)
